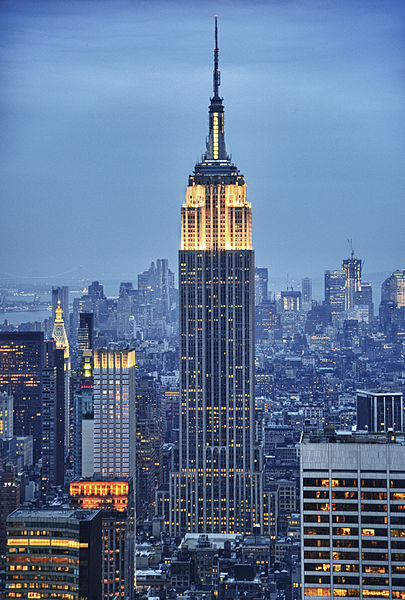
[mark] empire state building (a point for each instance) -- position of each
(216, 485)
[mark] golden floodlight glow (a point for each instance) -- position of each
(101, 494)
(41, 541)
(216, 218)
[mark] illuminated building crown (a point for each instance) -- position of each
(216, 214)
(216, 161)
(59, 332)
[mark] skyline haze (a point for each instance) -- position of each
(103, 112)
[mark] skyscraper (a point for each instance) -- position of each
(6, 415)
(115, 498)
(21, 363)
(393, 289)
(114, 413)
(335, 291)
(85, 332)
(149, 442)
(216, 486)
(306, 289)
(352, 522)
(380, 411)
(61, 294)
(10, 491)
(61, 343)
(364, 297)
(54, 553)
(83, 412)
(261, 285)
(352, 268)
(291, 301)
(53, 418)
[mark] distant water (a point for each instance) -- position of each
(24, 316)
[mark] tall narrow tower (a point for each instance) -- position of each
(352, 268)
(216, 485)
(61, 341)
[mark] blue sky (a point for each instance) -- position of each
(104, 114)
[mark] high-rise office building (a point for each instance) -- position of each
(114, 413)
(380, 411)
(9, 501)
(85, 331)
(216, 484)
(83, 411)
(6, 415)
(156, 286)
(124, 310)
(267, 322)
(350, 334)
(392, 307)
(96, 291)
(21, 363)
(149, 443)
(290, 301)
(53, 418)
(335, 282)
(61, 295)
(261, 285)
(352, 269)
(306, 293)
(54, 553)
(61, 343)
(364, 297)
(352, 517)
(393, 289)
(115, 498)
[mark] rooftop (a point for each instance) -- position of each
(332, 436)
(52, 514)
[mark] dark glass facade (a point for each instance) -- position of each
(21, 363)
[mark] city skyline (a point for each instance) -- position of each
(217, 435)
(77, 104)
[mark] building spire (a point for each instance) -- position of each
(59, 332)
(216, 150)
(217, 73)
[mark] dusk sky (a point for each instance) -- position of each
(104, 112)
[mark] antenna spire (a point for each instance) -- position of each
(216, 74)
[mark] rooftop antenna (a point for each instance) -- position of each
(216, 74)
(350, 242)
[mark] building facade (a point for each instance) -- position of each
(6, 415)
(53, 419)
(149, 444)
(335, 290)
(380, 411)
(114, 413)
(21, 364)
(54, 553)
(306, 289)
(216, 484)
(10, 492)
(261, 285)
(115, 498)
(393, 289)
(352, 515)
(352, 269)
